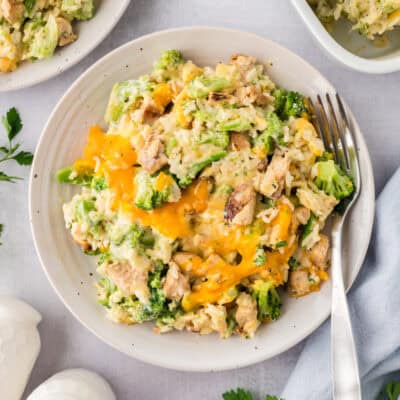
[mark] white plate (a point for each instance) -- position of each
(349, 47)
(90, 34)
(68, 269)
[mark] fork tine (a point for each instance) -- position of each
(328, 131)
(338, 130)
(346, 124)
(318, 124)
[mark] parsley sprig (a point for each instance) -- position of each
(13, 125)
(391, 391)
(11, 151)
(241, 394)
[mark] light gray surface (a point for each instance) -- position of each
(374, 100)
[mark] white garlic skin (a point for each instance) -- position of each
(19, 345)
(73, 384)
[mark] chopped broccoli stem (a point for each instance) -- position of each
(289, 104)
(333, 180)
(268, 300)
(220, 139)
(236, 125)
(68, 175)
(308, 228)
(198, 167)
(202, 86)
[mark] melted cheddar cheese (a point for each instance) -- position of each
(221, 276)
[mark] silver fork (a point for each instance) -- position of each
(336, 133)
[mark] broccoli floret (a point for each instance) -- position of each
(333, 180)
(271, 136)
(289, 104)
(98, 183)
(202, 86)
(44, 39)
(197, 167)
(147, 196)
(268, 300)
(105, 288)
(78, 9)
(169, 59)
(126, 96)
(159, 307)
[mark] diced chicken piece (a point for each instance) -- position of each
(12, 10)
(176, 284)
(149, 112)
(239, 141)
(299, 283)
(319, 253)
(129, 279)
(247, 95)
(239, 209)
(246, 314)
(272, 182)
(317, 256)
(65, 33)
(151, 156)
(302, 214)
(242, 61)
(262, 165)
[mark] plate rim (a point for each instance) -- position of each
(57, 71)
(141, 355)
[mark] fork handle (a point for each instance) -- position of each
(345, 374)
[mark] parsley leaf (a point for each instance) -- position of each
(23, 158)
(13, 125)
(29, 4)
(238, 394)
(391, 391)
(12, 122)
(283, 243)
(6, 178)
(241, 394)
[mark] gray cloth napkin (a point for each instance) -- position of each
(374, 304)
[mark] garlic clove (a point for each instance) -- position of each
(73, 384)
(19, 345)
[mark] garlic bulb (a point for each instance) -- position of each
(19, 345)
(73, 384)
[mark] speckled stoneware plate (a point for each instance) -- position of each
(90, 34)
(68, 269)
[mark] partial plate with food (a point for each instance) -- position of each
(62, 143)
(39, 40)
(368, 51)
